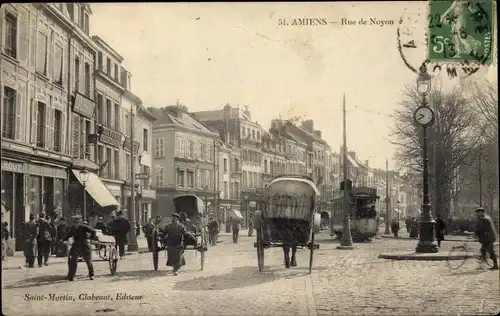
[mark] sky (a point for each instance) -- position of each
(207, 55)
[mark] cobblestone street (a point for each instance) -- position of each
(342, 283)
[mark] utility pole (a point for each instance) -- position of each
(346, 239)
(132, 243)
(480, 174)
(387, 199)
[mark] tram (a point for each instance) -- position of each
(364, 217)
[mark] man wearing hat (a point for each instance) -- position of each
(486, 234)
(44, 240)
(80, 247)
(174, 235)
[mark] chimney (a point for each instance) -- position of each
(318, 132)
(366, 163)
(308, 125)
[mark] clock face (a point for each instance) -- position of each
(424, 115)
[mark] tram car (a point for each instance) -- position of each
(364, 217)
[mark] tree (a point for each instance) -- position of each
(484, 102)
(450, 140)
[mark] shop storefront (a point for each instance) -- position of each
(29, 187)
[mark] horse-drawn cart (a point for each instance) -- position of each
(194, 208)
(288, 218)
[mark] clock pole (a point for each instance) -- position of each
(427, 237)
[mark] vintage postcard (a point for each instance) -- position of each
(232, 158)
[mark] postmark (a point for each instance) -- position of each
(460, 31)
(412, 43)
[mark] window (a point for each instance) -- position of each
(58, 65)
(190, 148)
(265, 165)
(41, 62)
(117, 117)
(100, 155)
(9, 113)
(116, 73)
(203, 149)
(109, 165)
(243, 131)
(87, 80)
(248, 132)
(159, 177)
(145, 139)
(236, 164)
(99, 61)
(108, 66)
(86, 23)
(40, 121)
(190, 179)
(100, 109)
(108, 112)
(116, 165)
(159, 147)
(225, 165)
(258, 135)
(87, 133)
(180, 177)
(10, 44)
(77, 74)
(253, 134)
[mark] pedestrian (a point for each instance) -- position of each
(44, 240)
(414, 228)
(395, 227)
(228, 224)
(213, 230)
(486, 234)
(80, 247)
(61, 231)
(174, 234)
(148, 233)
(408, 224)
(54, 235)
(5, 239)
(250, 227)
(30, 233)
(236, 229)
(440, 229)
(121, 227)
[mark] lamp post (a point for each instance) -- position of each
(84, 177)
(132, 242)
(424, 116)
(399, 211)
(246, 207)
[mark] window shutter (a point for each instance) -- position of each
(19, 126)
(33, 120)
(23, 46)
(63, 132)
(75, 149)
(47, 133)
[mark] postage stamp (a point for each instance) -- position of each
(460, 31)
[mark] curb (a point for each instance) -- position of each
(408, 238)
(423, 256)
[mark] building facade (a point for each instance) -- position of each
(190, 166)
(42, 86)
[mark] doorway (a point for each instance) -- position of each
(48, 196)
(19, 216)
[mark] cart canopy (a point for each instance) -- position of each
(189, 204)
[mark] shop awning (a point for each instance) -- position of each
(97, 190)
(235, 214)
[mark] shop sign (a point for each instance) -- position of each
(12, 166)
(83, 105)
(142, 176)
(126, 145)
(111, 137)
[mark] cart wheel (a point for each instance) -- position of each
(311, 255)
(112, 259)
(260, 250)
(155, 249)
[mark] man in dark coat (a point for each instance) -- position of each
(44, 240)
(61, 231)
(121, 227)
(54, 235)
(30, 234)
(148, 233)
(440, 229)
(80, 247)
(395, 227)
(486, 234)
(413, 228)
(213, 230)
(175, 236)
(235, 226)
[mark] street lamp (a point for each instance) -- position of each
(246, 207)
(84, 177)
(424, 116)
